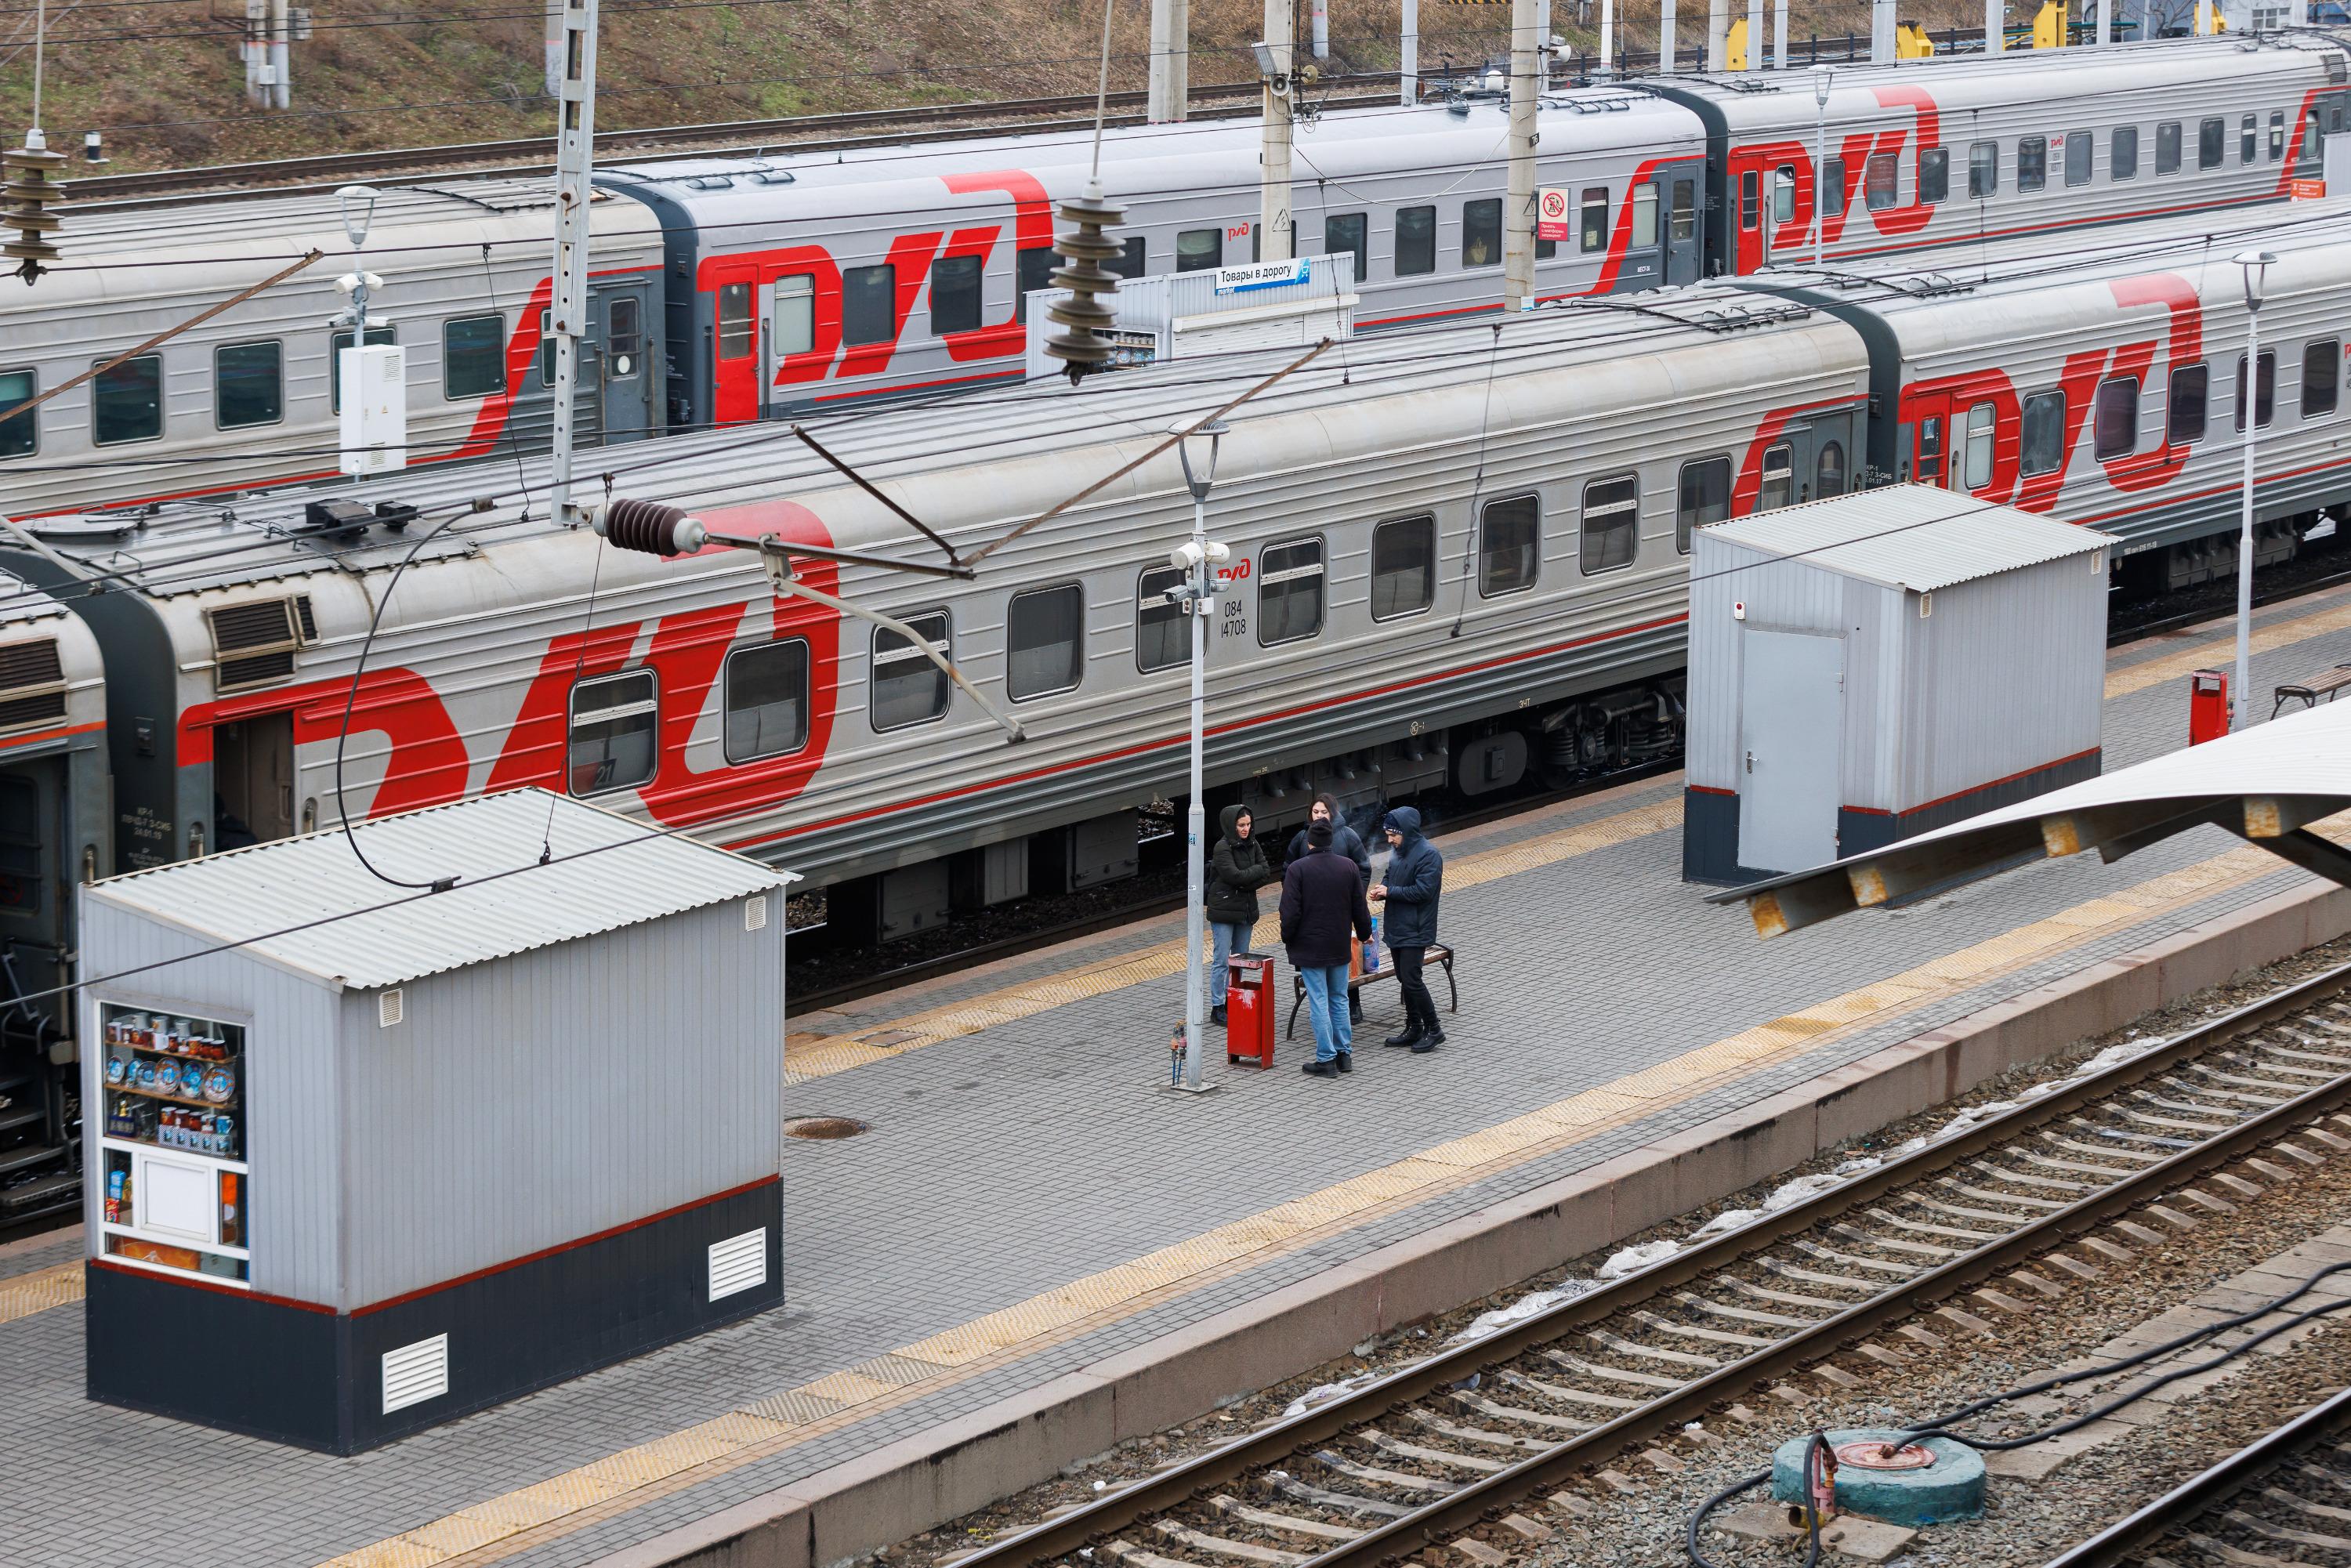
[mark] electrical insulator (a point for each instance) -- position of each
(1085, 345)
(34, 194)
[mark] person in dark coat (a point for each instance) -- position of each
(1236, 869)
(1323, 906)
(1407, 900)
(1345, 840)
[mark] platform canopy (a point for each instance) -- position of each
(2265, 784)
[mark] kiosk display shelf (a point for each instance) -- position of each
(175, 1187)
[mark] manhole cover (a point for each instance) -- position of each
(823, 1127)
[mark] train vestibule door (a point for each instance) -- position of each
(1685, 236)
(253, 780)
(36, 899)
(1929, 453)
(630, 382)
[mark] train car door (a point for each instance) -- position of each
(1644, 251)
(253, 780)
(1824, 457)
(1685, 239)
(627, 378)
(1927, 458)
(35, 895)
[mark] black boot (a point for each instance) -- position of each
(1411, 1035)
(1217, 1016)
(1347, 1061)
(1319, 1069)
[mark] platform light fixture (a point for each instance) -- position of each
(358, 205)
(1821, 76)
(2257, 263)
(1198, 444)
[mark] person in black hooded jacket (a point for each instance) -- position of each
(1236, 869)
(1345, 840)
(1408, 901)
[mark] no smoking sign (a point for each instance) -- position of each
(1550, 214)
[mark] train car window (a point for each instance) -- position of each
(2265, 394)
(624, 338)
(767, 700)
(2184, 405)
(1031, 268)
(249, 384)
(1934, 176)
(336, 343)
(907, 689)
(1162, 639)
(1828, 471)
(1783, 194)
(1751, 210)
(1415, 241)
(2081, 156)
(2167, 148)
(1779, 475)
(1644, 216)
(1596, 217)
(1983, 170)
(1130, 261)
(1510, 545)
(868, 303)
(1545, 249)
(1347, 231)
(1404, 567)
(18, 435)
(2211, 141)
(954, 294)
(736, 337)
(2032, 162)
(1704, 497)
(127, 401)
(2277, 135)
(2122, 153)
(1290, 591)
(1612, 523)
(2321, 379)
(1984, 423)
(473, 356)
(1481, 233)
(1681, 219)
(796, 313)
(2249, 138)
(1200, 250)
(1930, 452)
(1044, 641)
(1832, 193)
(2040, 440)
(614, 722)
(2113, 418)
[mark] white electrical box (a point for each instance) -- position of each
(374, 381)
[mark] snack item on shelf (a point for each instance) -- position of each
(114, 1184)
(154, 1252)
(231, 1222)
(220, 1085)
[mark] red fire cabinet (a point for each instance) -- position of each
(1248, 1008)
(2207, 705)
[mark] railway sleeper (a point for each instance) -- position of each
(1566, 1394)
(2046, 1205)
(1461, 1434)
(1610, 1374)
(1341, 1464)
(1273, 1518)
(1291, 1486)
(1222, 1547)
(1745, 1314)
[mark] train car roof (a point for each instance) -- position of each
(1775, 100)
(177, 549)
(22, 604)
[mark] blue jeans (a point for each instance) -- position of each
(1229, 940)
(1326, 1004)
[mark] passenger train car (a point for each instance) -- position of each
(1458, 557)
(797, 282)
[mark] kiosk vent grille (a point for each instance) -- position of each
(738, 1263)
(415, 1373)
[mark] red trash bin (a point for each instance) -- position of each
(1248, 1008)
(2207, 705)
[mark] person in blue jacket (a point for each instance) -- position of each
(1407, 899)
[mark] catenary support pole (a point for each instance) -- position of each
(281, 56)
(1754, 34)
(1881, 31)
(1318, 37)
(1665, 38)
(1409, 68)
(1196, 816)
(2106, 23)
(554, 49)
(1608, 39)
(1275, 237)
(1171, 57)
(1518, 206)
(1718, 34)
(1779, 35)
(575, 152)
(1995, 26)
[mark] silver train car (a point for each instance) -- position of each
(736, 289)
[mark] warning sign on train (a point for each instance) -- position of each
(1551, 214)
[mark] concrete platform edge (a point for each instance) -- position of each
(909, 1486)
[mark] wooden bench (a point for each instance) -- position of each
(1435, 953)
(2325, 684)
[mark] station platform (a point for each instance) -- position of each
(1031, 1223)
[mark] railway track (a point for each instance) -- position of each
(798, 134)
(1445, 1451)
(2264, 1504)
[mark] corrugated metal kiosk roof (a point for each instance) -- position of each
(1910, 536)
(2263, 784)
(308, 902)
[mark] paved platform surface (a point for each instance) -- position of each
(1027, 1203)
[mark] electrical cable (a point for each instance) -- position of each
(1941, 1427)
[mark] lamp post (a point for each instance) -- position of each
(2256, 263)
(356, 203)
(1198, 559)
(1821, 76)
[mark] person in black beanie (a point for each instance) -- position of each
(1407, 897)
(1323, 906)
